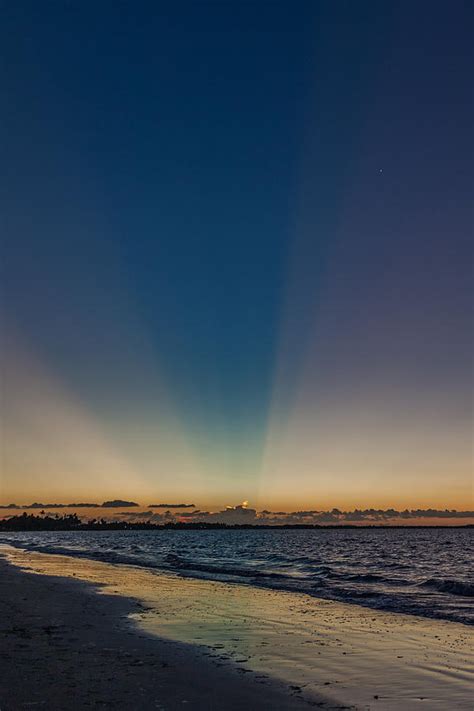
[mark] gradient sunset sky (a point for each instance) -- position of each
(237, 252)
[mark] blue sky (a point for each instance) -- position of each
(240, 222)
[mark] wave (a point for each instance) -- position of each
(373, 578)
(454, 587)
(178, 563)
(356, 595)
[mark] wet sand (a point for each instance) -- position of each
(158, 641)
(65, 647)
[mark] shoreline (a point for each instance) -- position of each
(428, 593)
(278, 649)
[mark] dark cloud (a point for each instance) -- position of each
(114, 504)
(171, 506)
(193, 514)
(118, 504)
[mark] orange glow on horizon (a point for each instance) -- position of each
(345, 456)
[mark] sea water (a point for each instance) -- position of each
(428, 572)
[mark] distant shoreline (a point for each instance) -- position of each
(118, 513)
(71, 522)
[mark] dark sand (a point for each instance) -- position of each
(63, 646)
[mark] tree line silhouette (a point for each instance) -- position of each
(72, 522)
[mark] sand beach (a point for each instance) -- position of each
(78, 634)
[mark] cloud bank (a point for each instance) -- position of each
(242, 514)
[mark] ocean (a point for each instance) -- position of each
(427, 572)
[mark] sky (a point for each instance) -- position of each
(236, 253)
